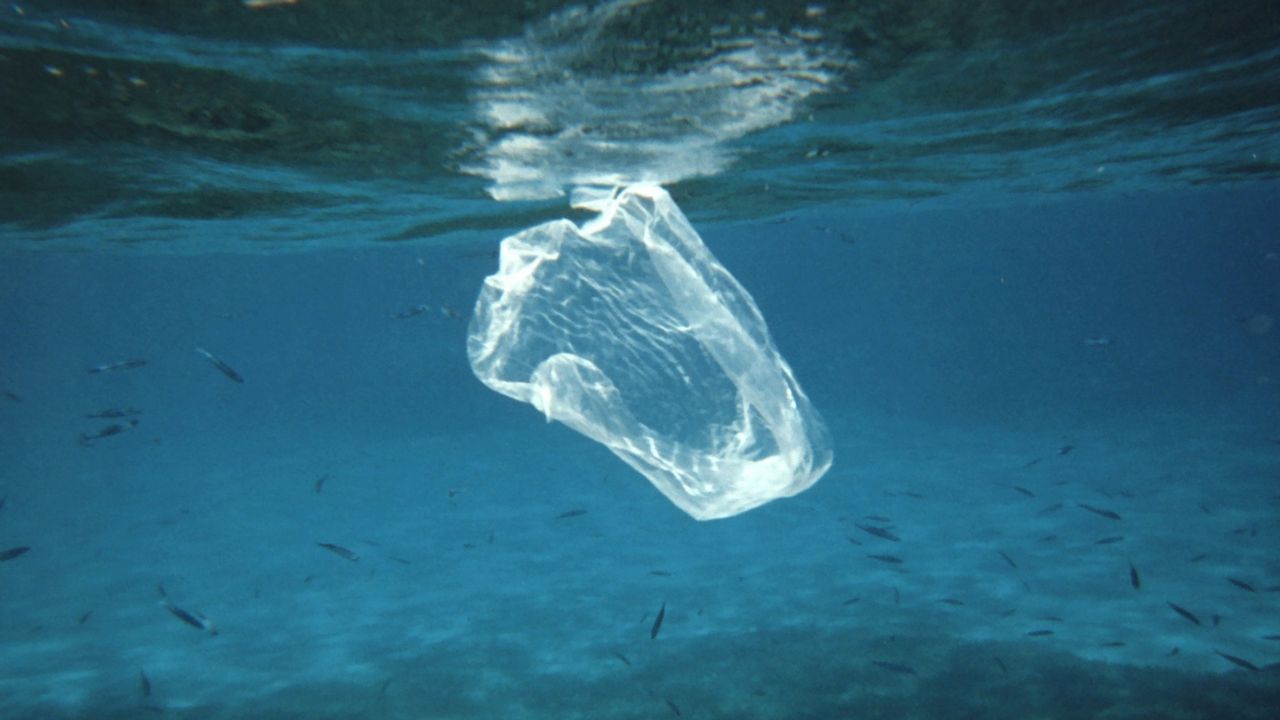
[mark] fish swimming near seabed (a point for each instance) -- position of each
(1184, 613)
(1241, 662)
(117, 366)
(1100, 511)
(657, 622)
(340, 551)
(1134, 579)
(894, 667)
(194, 619)
(12, 553)
(224, 368)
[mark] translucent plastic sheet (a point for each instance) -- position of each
(629, 331)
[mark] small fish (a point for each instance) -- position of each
(1050, 509)
(194, 619)
(914, 495)
(877, 518)
(1066, 449)
(86, 439)
(1237, 661)
(673, 707)
(851, 600)
(1113, 644)
(224, 368)
(1098, 341)
(952, 601)
(1198, 558)
(117, 366)
(1100, 511)
(660, 573)
(1023, 490)
(12, 553)
(382, 689)
(12, 396)
(1000, 664)
(112, 413)
(415, 310)
(571, 513)
(1031, 463)
(657, 622)
(144, 683)
(891, 559)
(1184, 613)
(878, 532)
(1242, 585)
(1048, 538)
(894, 667)
(1040, 633)
(1110, 540)
(1049, 618)
(1134, 579)
(320, 482)
(623, 658)
(1217, 619)
(340, 551)
(84, 618)
(1008, 559)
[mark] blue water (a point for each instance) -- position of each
(991, 355)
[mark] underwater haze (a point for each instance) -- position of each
(1023, 259)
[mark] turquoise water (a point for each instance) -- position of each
(1025, 264)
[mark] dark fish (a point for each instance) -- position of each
(84, 618)
(657, 622)
(851, 600)
(1066, 449)
(195, 620)
(1031, 463)
(914, 495)
(1023, 490)
(320, 482)
(878, 532)
(673, 707)
(1100, 511)
(1198, 558)
(110, 413)
(12, 553)
(1040, 633)
(108, 431)
(660, 573)
(894, 667)
(1184, 613)
(852, 540)
(410, 312)
(1008, 559)
(224, 368)
(11, 396)
(340, 551)
(571, 513)
(1050, 509)
(1109, 540)
(1049, 618)
(144, 684)
(161, 591)
(1217, 619)
(623, 658)
(897, 597)
(1237, 661)
(877, 518)
(952, 601)
(382, 689)
(1000, 664)
(1242, 585)
(1048, 538)
(1113, 644)
(1134, 579)
(887, 559)
(122, 365)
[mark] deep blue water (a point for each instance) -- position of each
(1056, 329)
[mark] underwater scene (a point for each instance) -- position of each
(639, 359)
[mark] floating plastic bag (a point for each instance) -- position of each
(629, 331)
